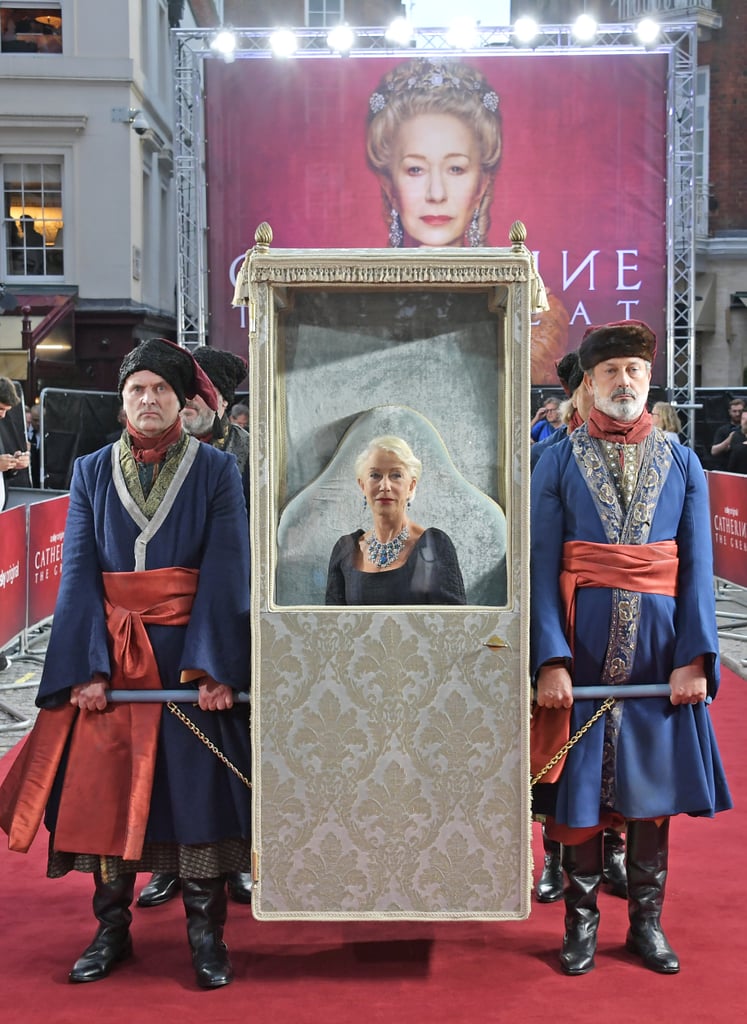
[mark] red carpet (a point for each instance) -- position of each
(364, 973)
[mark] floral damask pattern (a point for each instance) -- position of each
(390, 746)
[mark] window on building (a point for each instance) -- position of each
(324, 13)
(32, 205)
(30, 28)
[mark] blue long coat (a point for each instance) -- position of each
(201, 524)
(666, 760)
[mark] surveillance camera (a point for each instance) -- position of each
(140, 123)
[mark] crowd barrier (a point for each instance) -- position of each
(30, 564)
(727, 495)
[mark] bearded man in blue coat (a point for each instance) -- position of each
(154, 595)
(622, 593)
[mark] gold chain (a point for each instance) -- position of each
(607, 705)
(208, 742)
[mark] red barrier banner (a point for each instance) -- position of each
(727, 493)
(46, 530)
(13, 563)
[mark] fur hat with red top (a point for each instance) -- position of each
(631, 338)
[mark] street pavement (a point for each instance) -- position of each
(19, 680)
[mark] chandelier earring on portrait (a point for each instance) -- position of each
(396, 233)
(365, 503)
(474, 235)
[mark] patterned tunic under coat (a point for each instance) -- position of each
(646, 758)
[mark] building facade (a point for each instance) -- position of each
(89, 240)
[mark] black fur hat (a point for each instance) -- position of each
(224, 369)
(174, 364)
(610, 341)
(569, 372)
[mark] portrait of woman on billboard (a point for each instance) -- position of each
(434, 141)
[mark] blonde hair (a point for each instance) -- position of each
(668, 418)
(424, 86)
(394, 445)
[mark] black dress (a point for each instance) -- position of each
(431, 575)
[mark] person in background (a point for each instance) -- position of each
(154, 595)
(225, 371)
(723, 434)
(665, 417)
(33, 433)
(239, 415)
(545, 420)
(737, 462)
(619, 519)
(11, 462)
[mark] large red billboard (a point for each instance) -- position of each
(582, 162)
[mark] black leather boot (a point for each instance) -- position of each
(205, 903)
(615, 877)
(240, 886)
(583, 868)
(550, 884)
(111, 943)
(161, 888)
(647, 858)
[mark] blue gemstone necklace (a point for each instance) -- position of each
(384, 554)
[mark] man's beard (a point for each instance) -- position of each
(625, 411)
(200, 424)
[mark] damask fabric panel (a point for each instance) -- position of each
(390, 770)
(390, 743)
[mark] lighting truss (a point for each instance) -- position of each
(190, 47)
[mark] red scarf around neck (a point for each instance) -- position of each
(153, 449)
(575, 421)
(607, 429)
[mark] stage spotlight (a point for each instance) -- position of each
(400, 32)
(584, 28)
(224, 43)
(283, 42)
(648, 31)
(341, 39)
(462, 34)
(526, 31)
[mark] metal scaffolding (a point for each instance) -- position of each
(678, 40)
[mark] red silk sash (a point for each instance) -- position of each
(109, 775)
(642, 568)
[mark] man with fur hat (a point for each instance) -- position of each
(574, 411)
(154, 595)
(622, 593)
(225, 371)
